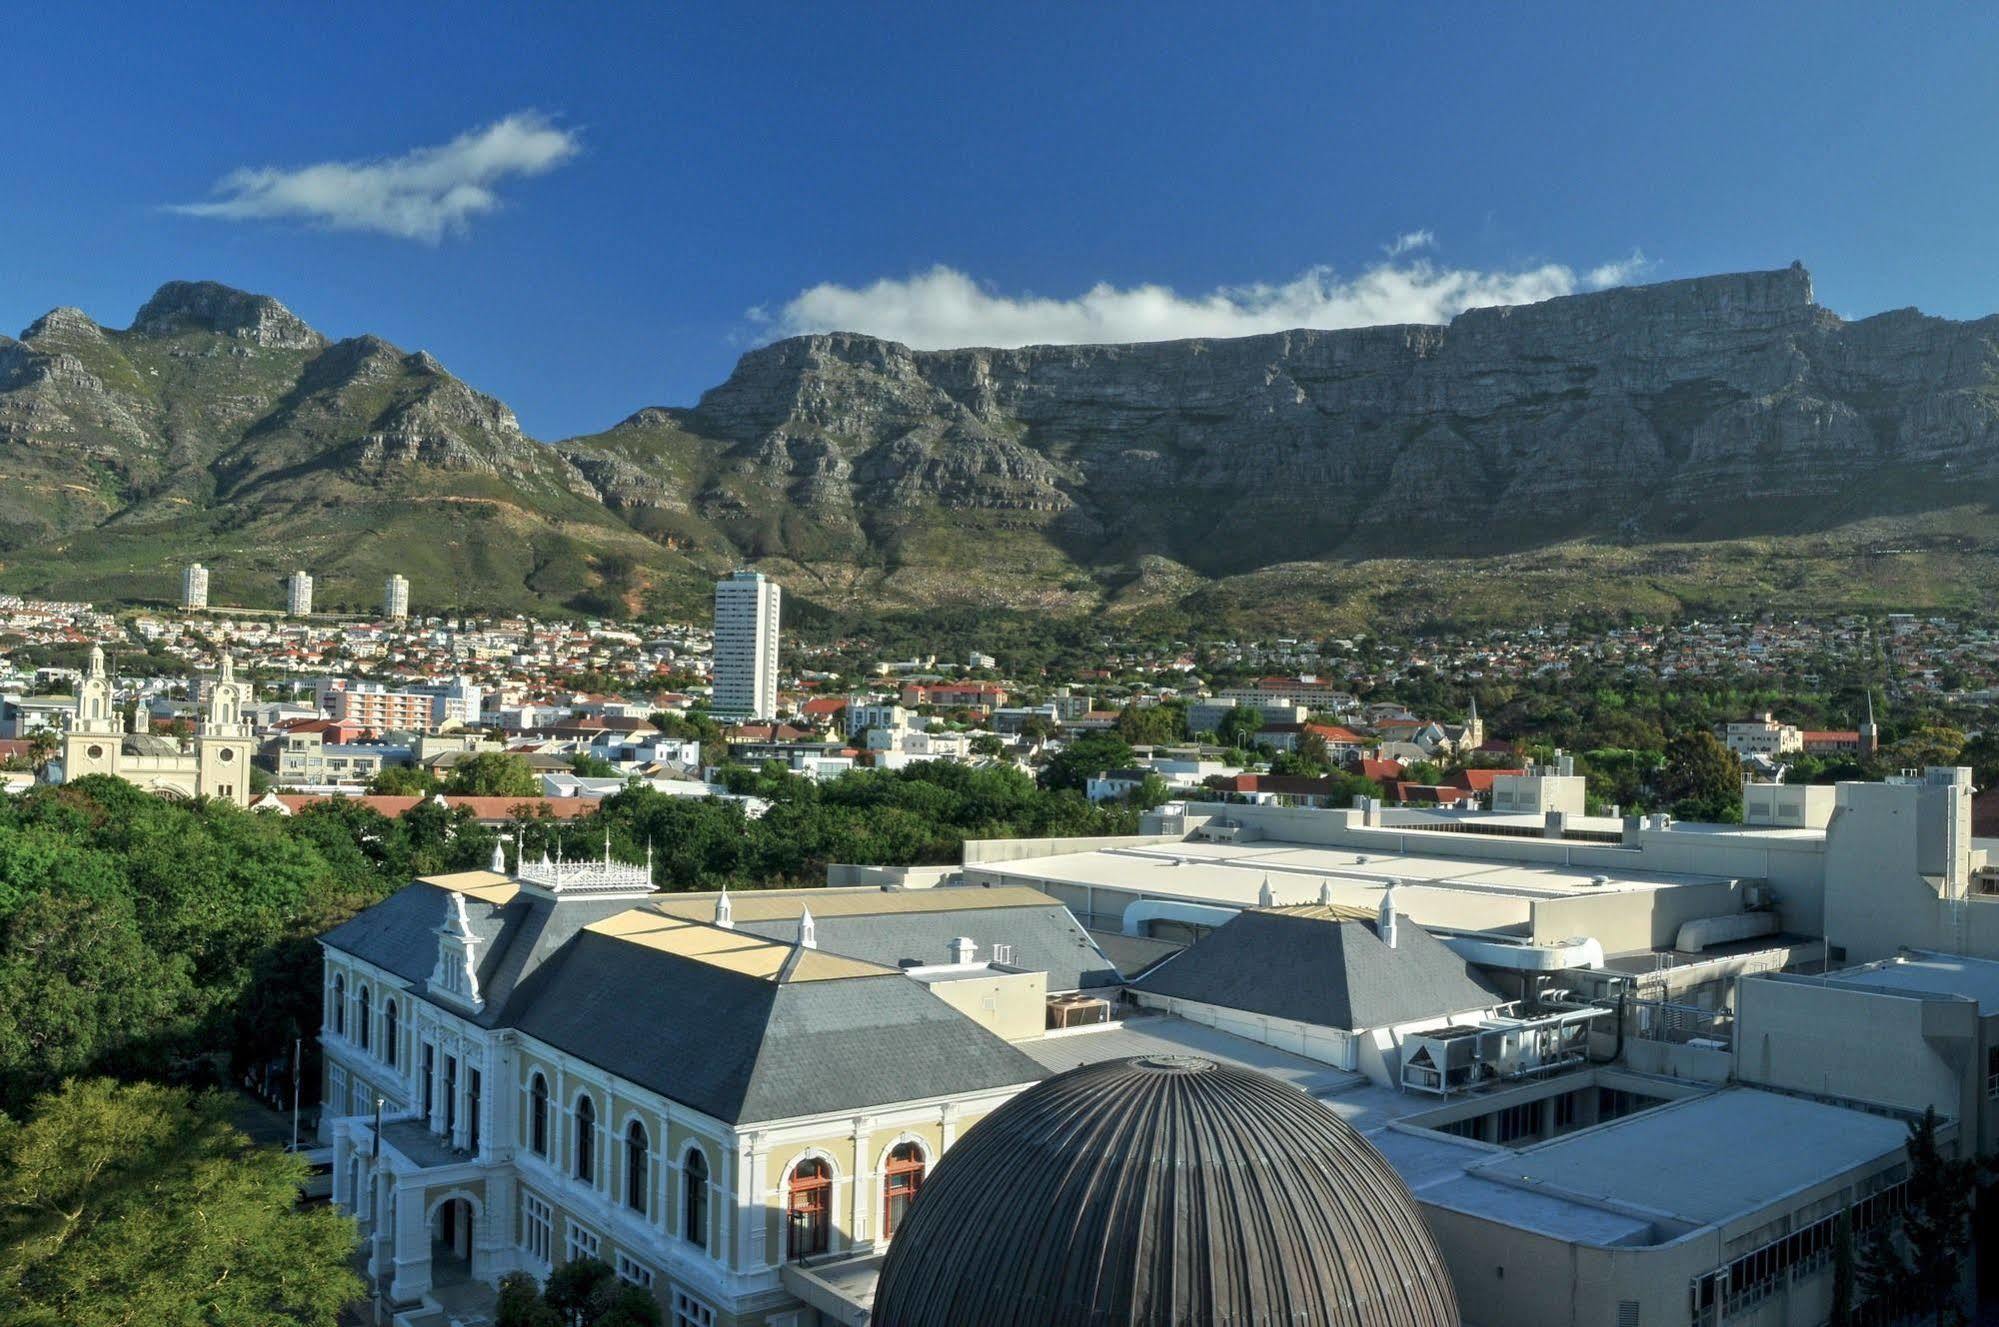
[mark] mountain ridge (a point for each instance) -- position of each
(1698, 415)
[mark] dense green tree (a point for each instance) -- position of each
(1929, 744)
(492, 774)
(1084, 759)
(584, 765)
(1238, 725)
(1152, 725)
(1701, 779)
(404, 781)
(141, 1204)
(1920, 1266)
(79, 985)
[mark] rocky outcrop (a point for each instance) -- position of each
(181, 306)
(1719, 405)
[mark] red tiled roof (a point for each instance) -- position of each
(823, 707)
(1380, 770)
(491, 809)
(1334, 733)
(1478, 780)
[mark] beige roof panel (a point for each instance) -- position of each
(735, 951)
(762, 905)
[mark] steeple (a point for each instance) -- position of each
(808, 934)
(499, 864)
(1266, 897)
(724, 915)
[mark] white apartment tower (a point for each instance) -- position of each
(396, 597)
(746, 607)
(194, 587)
(298, 594)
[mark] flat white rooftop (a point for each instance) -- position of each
(1466, 892)
(1701, 1161)
(1925, 974)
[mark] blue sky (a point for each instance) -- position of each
(669, 186)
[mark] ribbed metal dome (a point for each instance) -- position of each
(1163, 1190)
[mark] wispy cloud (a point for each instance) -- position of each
(1409, 240)
(421, 195)
(1618, 273)
(943, 308)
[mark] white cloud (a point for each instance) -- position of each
(944, 308)
(1408, 240)
(1618, 273)
(420, 195)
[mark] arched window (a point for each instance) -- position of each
(809, 1206)
(367, 1016)
(339, 1005)
(900, 1181)
(538, 1116)
(586, 1139)
(637, 1171)
(389, 1032)
(694, 1199)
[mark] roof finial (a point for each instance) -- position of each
(724, 915)
(607, 845)
(499, 866)
(1265, 897)
(1385, 924)
(808, 935)
(1325, 893)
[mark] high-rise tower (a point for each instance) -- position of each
(746, 613)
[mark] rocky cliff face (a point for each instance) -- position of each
(1715, 406)
(221, 426)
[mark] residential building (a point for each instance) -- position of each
(396, 597)
(194, 587)
(298, 594)
(1764, 736)
(746, 645)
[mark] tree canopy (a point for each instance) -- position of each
(142, 1204)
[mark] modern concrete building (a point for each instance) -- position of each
(298, 594)
(396, 597)
(746, 645)
(194, 587)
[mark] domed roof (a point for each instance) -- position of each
(1163, 1190)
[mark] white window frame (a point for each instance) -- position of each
(580, 1241)
(633, 1272)
(537, 1227)
(691, 1312)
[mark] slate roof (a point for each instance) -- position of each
(1319, 969)
(736, 1046)
(743, 1048)
(399, 934)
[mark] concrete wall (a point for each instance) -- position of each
(845, 875)
(1627, 920)
(1013, 850)
(1010, 1005)
(1888, 1049)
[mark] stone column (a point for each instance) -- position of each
(412, 1243)
(343, 1156)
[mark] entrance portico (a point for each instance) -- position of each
(421, 1205)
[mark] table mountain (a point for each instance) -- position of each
(1718, 440)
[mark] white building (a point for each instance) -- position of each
(396, 597)
(746, 613)
(298, 594)
(1763, 736)
(194, 587)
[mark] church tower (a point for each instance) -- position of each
(222, 741)
(1870, 736)
(91, 744)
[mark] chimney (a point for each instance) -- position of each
(964, 950)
